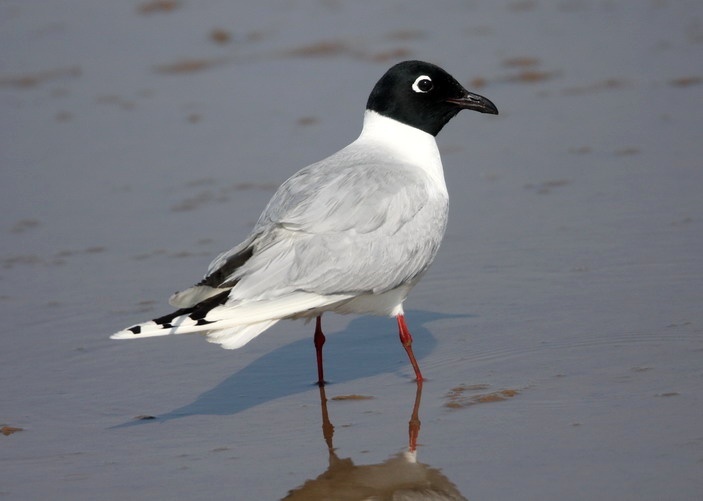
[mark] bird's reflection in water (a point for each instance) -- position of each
(400, 477)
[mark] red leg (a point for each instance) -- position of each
(407, 340)
(319, 341)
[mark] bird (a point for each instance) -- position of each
(350, 234)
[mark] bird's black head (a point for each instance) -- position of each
(423, 96)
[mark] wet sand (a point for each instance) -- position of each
(560, 329)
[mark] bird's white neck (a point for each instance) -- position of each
(404, 143)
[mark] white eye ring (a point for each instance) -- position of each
(422, 80)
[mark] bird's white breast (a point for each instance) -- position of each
(402, 144)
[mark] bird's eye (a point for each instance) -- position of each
(422, 84)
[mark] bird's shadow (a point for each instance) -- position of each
(368, 346)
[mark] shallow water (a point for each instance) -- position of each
(560, 329)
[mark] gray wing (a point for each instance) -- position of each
(331, 230)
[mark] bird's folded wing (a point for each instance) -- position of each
(359, 198)
(365, 228)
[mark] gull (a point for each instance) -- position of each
(350, 234)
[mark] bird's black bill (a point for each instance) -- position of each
(474, 102)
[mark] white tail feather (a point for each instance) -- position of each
(148, 329)
(234, 325)
(236, 337)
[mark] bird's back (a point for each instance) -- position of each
(368, 219)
